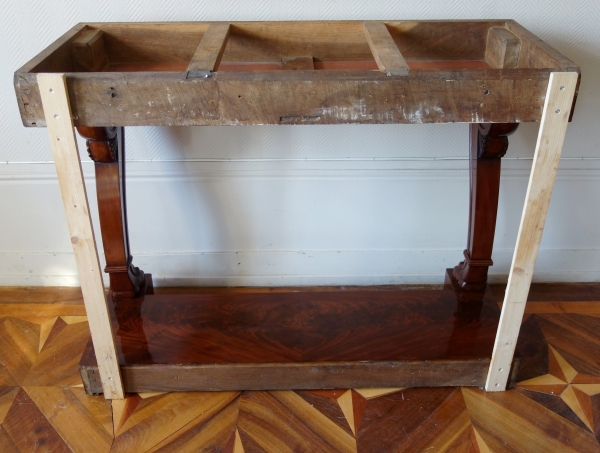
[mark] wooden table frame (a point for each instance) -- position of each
(524, 70)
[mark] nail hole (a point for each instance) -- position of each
(57, 139)
(110, 378)
(497, 385)
(113, 95)
(56, 115)
(557, 110)
(500, 369)
(51, 90)
(562, 88)
(116, 392)
(486, 92)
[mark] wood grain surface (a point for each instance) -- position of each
(150, 62)
(314, 339)
(555, 406)
(56, 106)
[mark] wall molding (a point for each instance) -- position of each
(296, 268)
(205, 170)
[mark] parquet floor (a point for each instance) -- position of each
(555, 406)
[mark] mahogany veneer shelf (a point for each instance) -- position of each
(300, 339)
(100, 77)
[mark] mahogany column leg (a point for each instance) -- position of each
(487, 143)
(106, 147)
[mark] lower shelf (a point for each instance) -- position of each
(270, 340)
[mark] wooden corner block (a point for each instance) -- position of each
(384, 49)
(89, 53)
(209, 52)
(502, 48)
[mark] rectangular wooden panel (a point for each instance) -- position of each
(70, 178)
(209, 52)
(169, 378)
(296, 97)
(388, 57)
(225, 340)
(559, 99)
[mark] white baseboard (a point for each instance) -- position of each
(299, 268)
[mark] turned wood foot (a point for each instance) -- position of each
(106, 147)
(487, 145)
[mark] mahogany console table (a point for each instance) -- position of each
(101, 77)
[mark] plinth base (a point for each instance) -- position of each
(313, 339)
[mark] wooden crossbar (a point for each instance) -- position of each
(209, 52)
(389, 59)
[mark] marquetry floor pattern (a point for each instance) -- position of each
(555, 406)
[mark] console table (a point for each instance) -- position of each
(102, 77)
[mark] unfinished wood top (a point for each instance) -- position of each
(229, 73)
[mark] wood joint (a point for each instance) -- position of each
(209, 52)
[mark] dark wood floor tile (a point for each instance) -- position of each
(84, 422)
(524, 425)
(29, 429)
(204, 435)
(157, 418)
(531, 350)
(448, 427)
(553, 403)
(57, 328)
(7, 396)
(58, 363)
(328, 407)
(595, 402)
(6, 443)
(586, 327)
(359, 404)
(283, 421)
(389, 421)
(579, 352)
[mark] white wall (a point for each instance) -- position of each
(274, 205)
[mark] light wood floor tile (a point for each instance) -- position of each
(80, 420)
